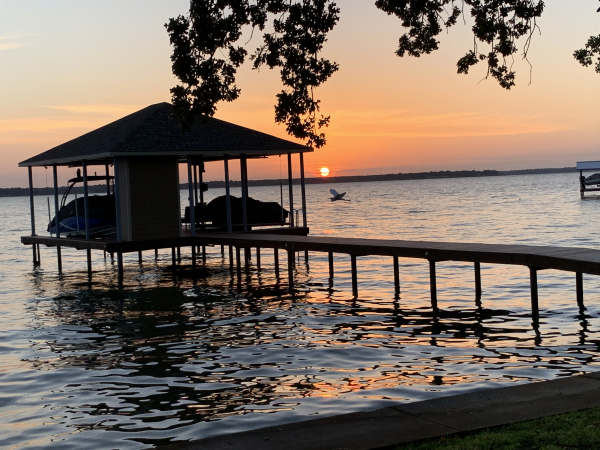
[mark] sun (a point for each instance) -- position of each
(324, 171)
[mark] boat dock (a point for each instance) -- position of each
(536, 258)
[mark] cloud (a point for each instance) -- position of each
(9, 43)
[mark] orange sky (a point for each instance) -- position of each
(70, 67)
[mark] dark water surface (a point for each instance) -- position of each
(92, 365)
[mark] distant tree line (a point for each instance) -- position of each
(19, 192)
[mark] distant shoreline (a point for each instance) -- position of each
(20, 192)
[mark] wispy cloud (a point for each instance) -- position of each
(10, 42)
(108, 109)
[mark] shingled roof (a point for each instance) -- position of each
(152, 132)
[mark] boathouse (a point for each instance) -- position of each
(591, 183)
(145, 150)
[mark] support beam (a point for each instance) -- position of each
(276, 261)
(396, 276)
(303, 190)
(227, 195)
(179, 254)
(290, 257)
(244, 183)
(330, 265)
(579, 288)
(238, 261)
(231, 258)
(290, 190)
(191, 197)
(120, 266)
(354, 276)
(173, 257)
(140, 257)
(86, 201)
(107, 172)
(56, 218)
(32, 213)
(258, 258)
(89, 262)
(534, 293)
(117, 200)
(477, 267)
(433, 284)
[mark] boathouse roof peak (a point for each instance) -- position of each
(152, 132)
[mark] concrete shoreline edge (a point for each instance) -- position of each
(402, 423)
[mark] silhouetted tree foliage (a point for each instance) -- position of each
(207, 48)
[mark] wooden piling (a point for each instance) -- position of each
(193, 257)
(204, 254)
(231, 258)
(258, 258)
(173, 257)
(140, 258)
(155, 253)
(89, 262)
(120, 266)
(477, 267)
(179, 254)
(222, 250)
(330, 264)
(396, 276)
(354, 276)
(579, 288)
(276, 258)
(433, 284)
(59, 259)
(290, 257)
(534, 293)
(238, 258)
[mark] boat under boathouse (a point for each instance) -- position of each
(141, 209)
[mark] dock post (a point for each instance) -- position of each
(173, 257)
(396, 276)
(432, 283)
(59, 258)
(140, 257)
(354, 276)
(86, 201)
(36, 261)
(155, 253)
(477, 267)
(179, 254)
(191, 201)
(290, 257)
(276, 257)
(107, 171)
(331, 265)
(120, 266)
(303, 192)
(534, 293)
(579, 288)
(239, 263)
(290, 189)
(204, 254)
(244, 183)
(247, 258)
(258, 258)
(227, 195)
(193, 258)
(56, 218)
(231, 258)
(89, 262)
(222, 250)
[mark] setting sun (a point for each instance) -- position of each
(324, 171)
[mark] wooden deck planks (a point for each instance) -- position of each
(571, 259)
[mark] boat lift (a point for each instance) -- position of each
(591, 183)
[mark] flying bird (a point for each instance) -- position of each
(337, 196)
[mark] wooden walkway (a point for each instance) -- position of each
(570, 259)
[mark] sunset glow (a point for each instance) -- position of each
(324, 171)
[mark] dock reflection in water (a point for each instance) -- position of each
(163, 358)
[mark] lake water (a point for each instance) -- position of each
(163, 358)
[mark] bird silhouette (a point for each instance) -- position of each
(337, 196)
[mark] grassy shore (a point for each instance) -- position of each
(574, 431)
